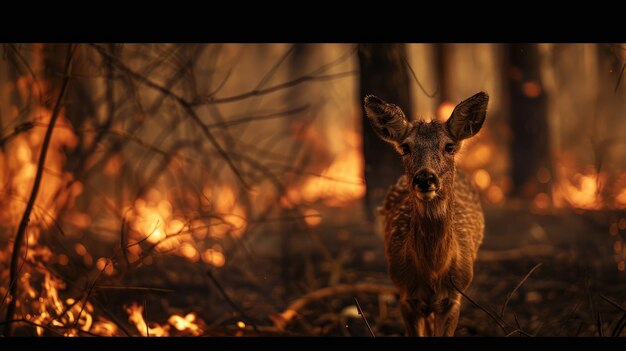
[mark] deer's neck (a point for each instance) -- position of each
(433, 238)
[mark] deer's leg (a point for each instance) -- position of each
(410, 319)
(451, 318)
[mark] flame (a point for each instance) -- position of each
(185, 324)
(339, 184)
(135, 316)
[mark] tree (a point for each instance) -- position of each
(382, 73)
(529, 123)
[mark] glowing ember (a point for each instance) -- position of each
(241, 324)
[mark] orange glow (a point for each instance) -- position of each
(613, 229)
(542, 201)
(495, 194)
(621, 198)
(622, 224)
(445, 110)
(113, 165)
(617, 247)
(482, 179)
(241, 325)
(531, 89)
(579, 192)
(187, 250)
(80, 249)
(214, 257)
(232, 215)
(621, 266)
(337, 185)
(312, 217)
(543, 175)
(63, 260)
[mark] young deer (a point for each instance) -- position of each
(433, 220)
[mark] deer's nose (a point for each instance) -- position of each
(425, 180)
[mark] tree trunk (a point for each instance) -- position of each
(383, 73)
(529, 124)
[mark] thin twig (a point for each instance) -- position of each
(275, 68)
(619, 79)
(12, 321)
(615, 304)
(619, 326)
(230, 301)
(277, 87)
(358, 307)
(19, 237)
(82, 308)
(185, 105)
(260, 117)
(517, 287)
(418, 81)
(599, 324)
(484, 309)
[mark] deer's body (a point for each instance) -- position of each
(433, 221)
(423, 253)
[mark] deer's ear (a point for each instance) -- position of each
(388, 120)
(468, 117)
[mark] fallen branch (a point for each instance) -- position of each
(281, 320)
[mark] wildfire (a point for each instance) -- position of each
(581, 190)
(189, 325)
(338, 184)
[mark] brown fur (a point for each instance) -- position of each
(429, 242)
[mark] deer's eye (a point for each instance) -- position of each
(449, 148)
(405, 149)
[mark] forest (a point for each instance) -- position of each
(158, 190)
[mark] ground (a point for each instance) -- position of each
(566, 294)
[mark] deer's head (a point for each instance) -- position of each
(428, 149)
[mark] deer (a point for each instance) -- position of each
(432, 218)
